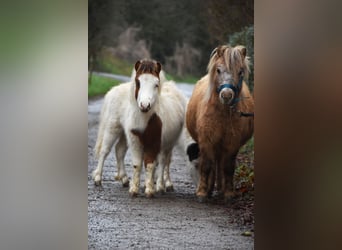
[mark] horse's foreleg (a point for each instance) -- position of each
(120, 152)
(211, 180)
(149, 178)
(229, 169)
(137, 154)
(167, 179)
(205, 168)
(107, 143)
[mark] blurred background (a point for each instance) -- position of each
(180, 34)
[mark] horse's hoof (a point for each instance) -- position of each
(117, 178)
(97, 180)
(160, 191)
(169, 189)
(133, 194)
(149, 195)
(202, 199)
(125, 184)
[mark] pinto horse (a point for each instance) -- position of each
(147, 116)
(220, 119)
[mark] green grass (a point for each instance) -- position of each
(187, 78)
(100, 85)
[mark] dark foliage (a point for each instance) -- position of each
(164, 24)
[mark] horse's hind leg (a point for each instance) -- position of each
(167, 179)
(120, 152)
(109, 138)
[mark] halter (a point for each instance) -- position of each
(236, 89)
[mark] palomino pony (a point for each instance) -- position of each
(146, 115)
(219, 118)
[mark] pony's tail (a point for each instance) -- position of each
(101, 130)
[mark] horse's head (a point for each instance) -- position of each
(147, 83)
(227, 68)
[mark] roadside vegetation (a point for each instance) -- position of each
(100, 85)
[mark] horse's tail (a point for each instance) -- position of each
(101, 130)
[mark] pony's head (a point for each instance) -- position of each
(227, 68)
(147, 83)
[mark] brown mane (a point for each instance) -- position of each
(147, 66)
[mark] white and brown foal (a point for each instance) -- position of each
(146, 115)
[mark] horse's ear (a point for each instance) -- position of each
(158, 67)
(137, 64)
(242, 50)
(213, 52)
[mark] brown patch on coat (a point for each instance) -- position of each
(150, 138)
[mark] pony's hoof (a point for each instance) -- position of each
(202, 199)
(149, 192)
(170, 189)
(133, 194)
(125, 181)
(125, 184)
(149, 195)
(97, 180)
(160, 191)
(117, 178)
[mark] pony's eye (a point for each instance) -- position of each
(156, 86)
(218, 71)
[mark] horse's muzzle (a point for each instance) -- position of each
(226, 96)
(143, 108)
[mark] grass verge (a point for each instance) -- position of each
(100, 85)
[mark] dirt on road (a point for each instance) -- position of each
(175, 220)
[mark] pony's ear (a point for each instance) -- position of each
(158, 67)
(213, 52)
(242, 50)
(137, 64)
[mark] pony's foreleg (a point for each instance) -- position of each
(228, 166)
(137, 154)
(211, 180)
(120, 152)
(109, 138)
(149, 178)
(167, 179)
(205, 168)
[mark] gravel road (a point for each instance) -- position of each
(173, 220)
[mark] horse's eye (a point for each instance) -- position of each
(156, 86)
(218, 71)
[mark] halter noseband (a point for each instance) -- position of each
(236, 89)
